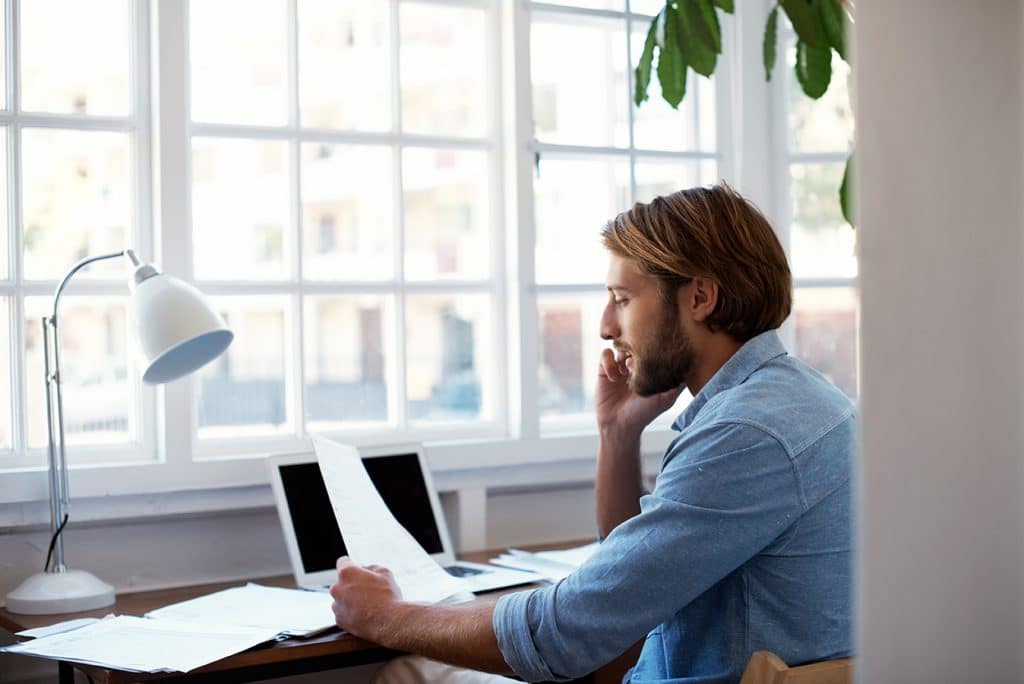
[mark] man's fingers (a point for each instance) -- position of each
(343, 562)
(609, 366)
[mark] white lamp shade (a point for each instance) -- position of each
(178, 330)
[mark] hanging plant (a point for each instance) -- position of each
(688, 35)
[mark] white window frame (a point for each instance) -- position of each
(512, 454)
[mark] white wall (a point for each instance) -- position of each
(939, 146)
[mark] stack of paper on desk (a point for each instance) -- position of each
(141, 645)
(553, 565)
(290, 612)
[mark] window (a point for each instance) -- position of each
(74, 133)
(596, 154)
(396, 206)
(821, 243)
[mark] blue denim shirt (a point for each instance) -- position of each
(744, 544)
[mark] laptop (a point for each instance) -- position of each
(315, 542)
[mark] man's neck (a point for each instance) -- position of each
(717, 348)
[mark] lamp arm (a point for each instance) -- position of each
(59, 495)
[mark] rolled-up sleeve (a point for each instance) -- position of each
(724, 493)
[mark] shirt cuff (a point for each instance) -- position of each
(512, 627)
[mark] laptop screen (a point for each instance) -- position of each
(398, 479)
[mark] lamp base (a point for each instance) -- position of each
(70, 591)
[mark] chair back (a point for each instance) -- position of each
(767, 668)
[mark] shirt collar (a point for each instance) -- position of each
(754, 353)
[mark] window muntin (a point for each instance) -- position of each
(6, 330)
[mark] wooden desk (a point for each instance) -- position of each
(279, 659)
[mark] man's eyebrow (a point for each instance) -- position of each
(618, 288)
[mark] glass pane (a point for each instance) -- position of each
(655, 178)
(574, 199)
(75, 56)
(707, 114)
(580, 90)
(345, 42)
(77, 200)
(348, 359)
(241, 223)
(570, 352)
(449, 357)
(826, 124)
(4, 226)
(826, 333)
(7, 391)
(648, 7)
(445, 67)
(347, 212)
(618, 5)
(822, 244)
(98, 367)
(244, 391)
(447, 213)
(239, 53)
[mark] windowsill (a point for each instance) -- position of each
(241, 485)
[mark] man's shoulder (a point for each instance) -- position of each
(785, 399)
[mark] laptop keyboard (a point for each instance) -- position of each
(463, 571)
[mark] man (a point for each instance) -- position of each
(744, 543)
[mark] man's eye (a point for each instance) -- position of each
(621, 302)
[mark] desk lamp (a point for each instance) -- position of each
(178, 333)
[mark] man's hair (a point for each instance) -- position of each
(710, 233)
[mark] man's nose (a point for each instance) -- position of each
(609, 324)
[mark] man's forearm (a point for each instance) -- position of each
(619, 482)
(462, 635)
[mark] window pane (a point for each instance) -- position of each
(345, 42)
(449, 357)
(826, 124)
(75, 56)
(98, 367)
(574, 200)
(445, 60)
(239, 58)
(7, 393)
(570, 351)
(240, 215)
(822, 244)
(447, 213)
(659, 127)
(826, 333)
(77, 200)
(578, 70)
(649, 7)
(244, 391)
(347, 212)
(348, 359)
(4, 226)
(655, 178)
(618, 5)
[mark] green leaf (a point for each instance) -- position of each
(671, 65)
(846, 192)
(705, 20)
(813, 68)
(643, 69)
(695, 50)
(803, 15)
(834, 24)
(726, 6)
(771, 36)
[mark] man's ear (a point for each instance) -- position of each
(702, 299)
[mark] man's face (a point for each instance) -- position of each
(645, 329)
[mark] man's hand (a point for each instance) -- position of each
(363, 597)
(618, 409)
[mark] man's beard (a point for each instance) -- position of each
(666, 362)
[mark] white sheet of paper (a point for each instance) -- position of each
(65, 626)
(141, 645)
(372, 535)
(288, 611)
